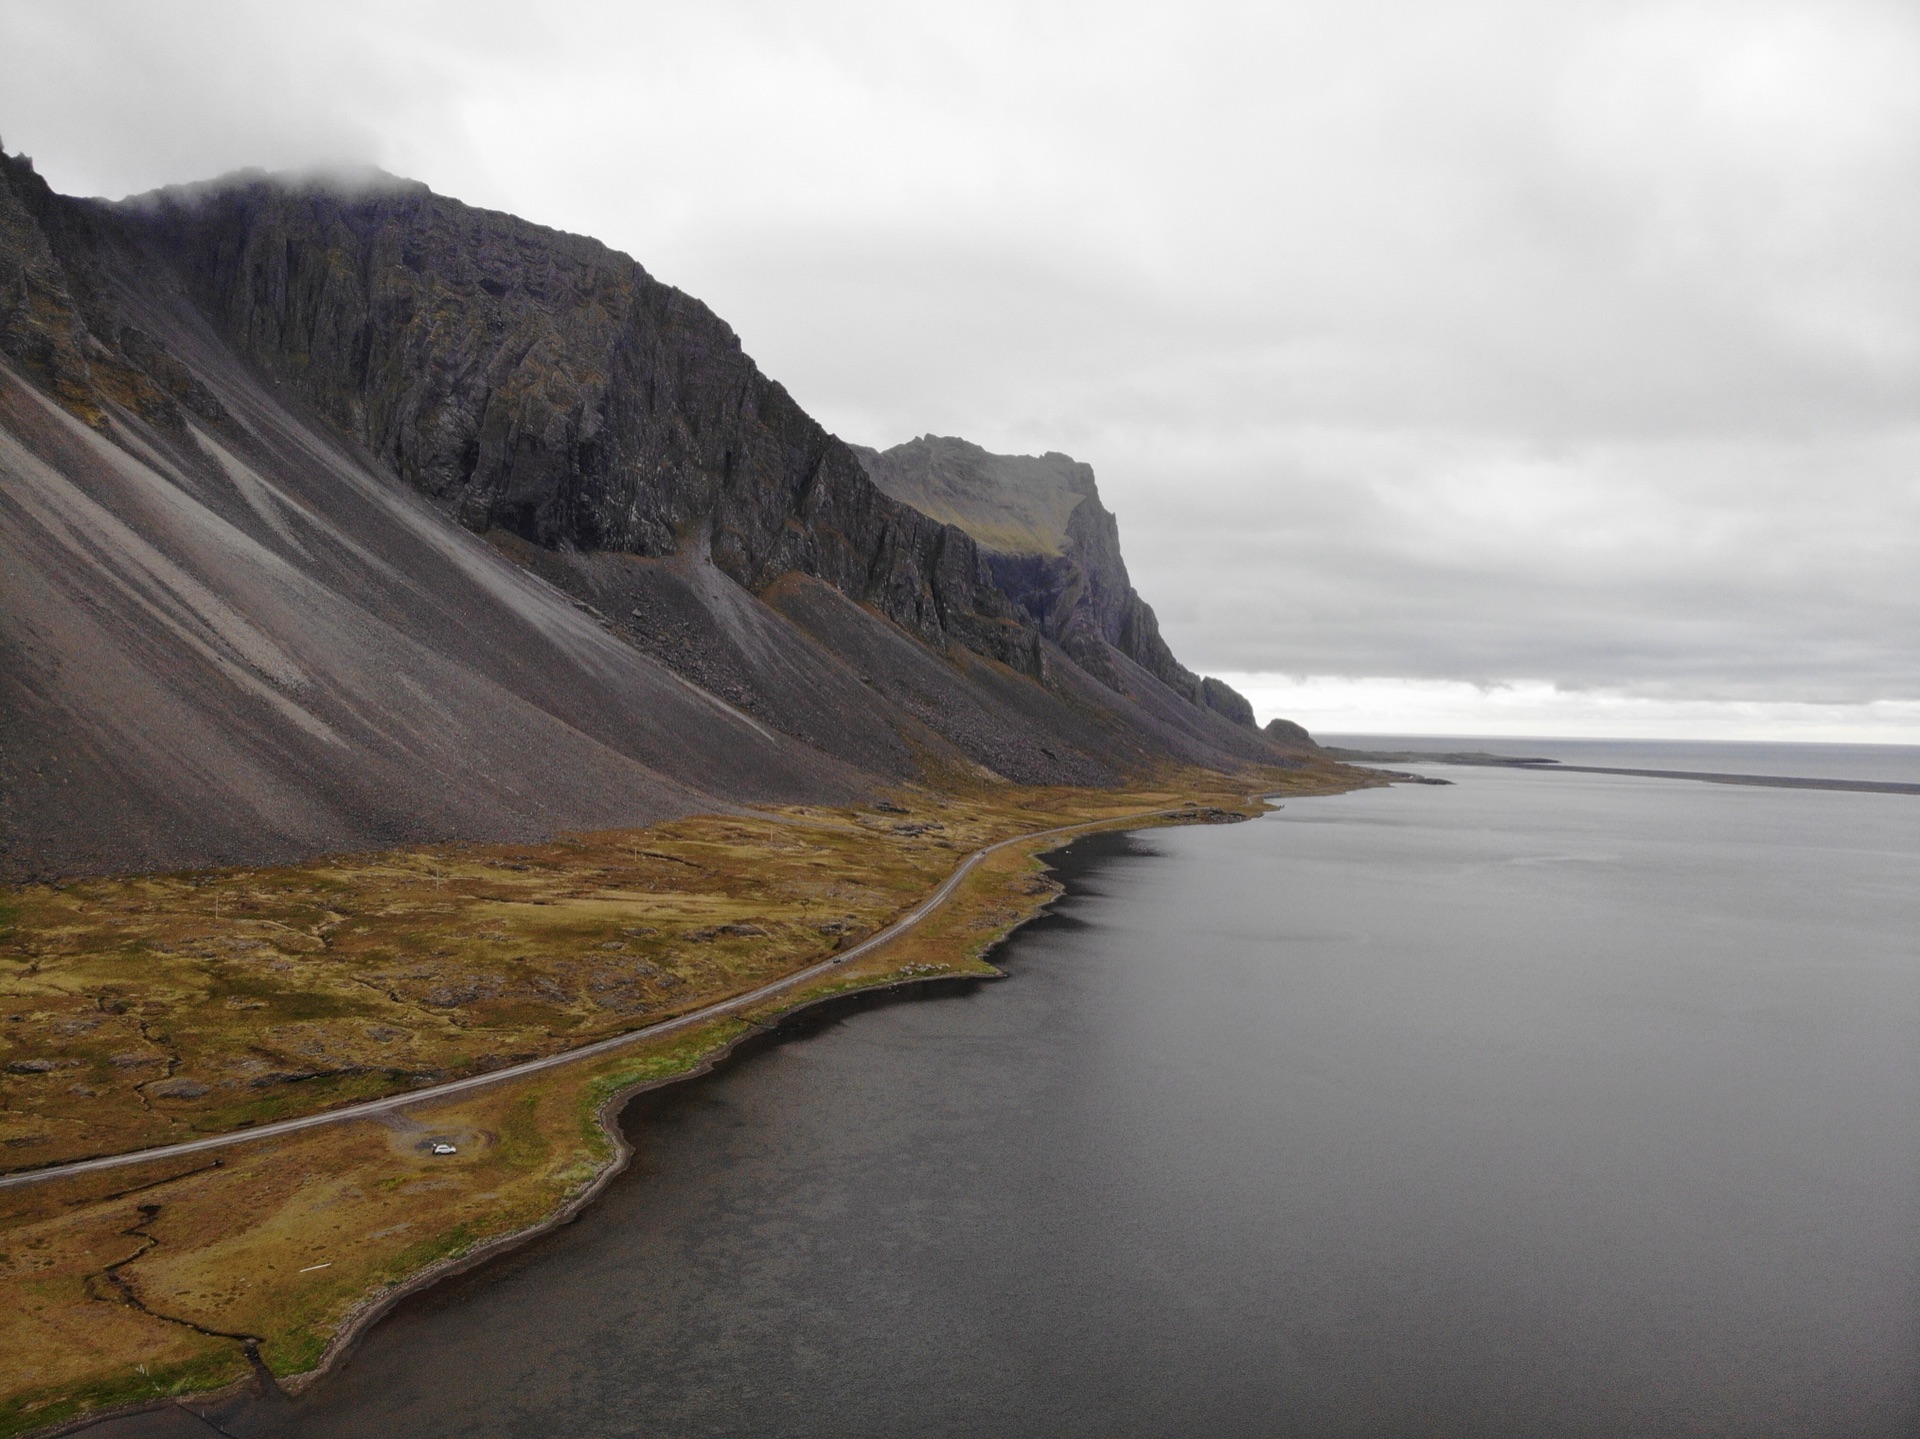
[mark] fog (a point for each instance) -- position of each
(1485, 349)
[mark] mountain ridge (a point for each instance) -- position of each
(1054, 550)
(340, 518)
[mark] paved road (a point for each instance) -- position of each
(715, 1010)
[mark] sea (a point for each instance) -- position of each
(1532, 1104)
(1887, 763)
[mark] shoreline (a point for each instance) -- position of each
(607, 1115)
(607, 1111)
(691, 1020)
(1481, 759)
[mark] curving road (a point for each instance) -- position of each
(694, 1017)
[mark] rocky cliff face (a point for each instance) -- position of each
(59, 322)
(337, 515)
(1054, 551)
(541, 383)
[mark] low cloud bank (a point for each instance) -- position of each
(1337, 705)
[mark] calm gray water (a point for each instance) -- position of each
(1537, 1105)
(1898, 763)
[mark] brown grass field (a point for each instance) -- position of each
(145, 1010)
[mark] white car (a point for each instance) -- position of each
(442, 1147)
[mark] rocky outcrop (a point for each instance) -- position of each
(1054, 551)
(1289, 735)
(59, 325)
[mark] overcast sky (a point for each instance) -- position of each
(1478, 367)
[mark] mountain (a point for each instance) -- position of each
(1054, 551)
(337, 514)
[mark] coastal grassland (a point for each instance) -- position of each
(275, 992)
(133, 1285)
(139, 1011)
